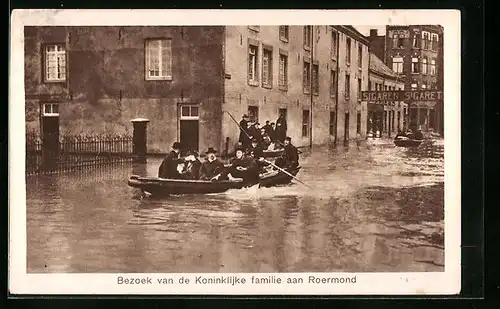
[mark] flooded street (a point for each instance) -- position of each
(373, 208)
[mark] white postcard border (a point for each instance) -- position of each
(447, 282)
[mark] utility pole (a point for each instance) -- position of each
(311, 87)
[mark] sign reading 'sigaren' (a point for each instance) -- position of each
(385, 96)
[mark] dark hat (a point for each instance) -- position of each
(211, 150)
(255, 141)
(267, 121)
(192, 152)
(176, 145)
(257, 124)
(245, 116)
(272, 123)
(239, 148)
(288, 138)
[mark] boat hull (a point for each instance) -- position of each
(161, 187)
(407, 142)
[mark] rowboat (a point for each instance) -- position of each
(273, 153)
(160, 186)
(403, 141)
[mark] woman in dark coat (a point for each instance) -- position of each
(168, 167)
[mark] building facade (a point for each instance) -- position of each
(279, 79)
(385, 118)
(415, 52)
(187, 80)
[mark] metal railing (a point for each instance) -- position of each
(53, 154)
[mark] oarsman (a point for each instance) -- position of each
(248, 138)
(290, 157)
(212, 168)
(244, 130)
(168, 167)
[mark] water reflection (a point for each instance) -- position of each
(373, 207)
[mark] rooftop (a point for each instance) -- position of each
(378, 66)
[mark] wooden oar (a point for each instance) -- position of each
(284, 171)
(244, 130)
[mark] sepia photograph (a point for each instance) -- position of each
(271, 154)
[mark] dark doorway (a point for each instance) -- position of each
(283, 112)
(50, 135)
(358, 123)
(189, 135)
(346, 127)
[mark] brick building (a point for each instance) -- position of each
(183, 79)
(385, 117)
(415, 52)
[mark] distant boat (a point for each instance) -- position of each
(160, 186)
(403, 141)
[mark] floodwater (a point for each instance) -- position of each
(373, 207)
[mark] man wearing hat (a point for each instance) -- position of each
(168, 167)
(244, 167)
(290, 157)
(256, 150)
(212, 168)
(244, 130)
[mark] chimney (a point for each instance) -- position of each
(373, 33)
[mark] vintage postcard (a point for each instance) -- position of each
(272, 152)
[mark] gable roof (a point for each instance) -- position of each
(379, 67)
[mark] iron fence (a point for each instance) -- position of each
(54, 154)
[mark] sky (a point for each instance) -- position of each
(365, 30)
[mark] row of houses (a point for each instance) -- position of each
(189, 80)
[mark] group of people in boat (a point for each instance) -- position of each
(411, 134)
(268, 137)
(247, 163)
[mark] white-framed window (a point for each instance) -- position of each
(306, 77)
(50, 109)
(424, 65)
(423, 86)
(359, 89)
(348, 51)
(425, 39)
(434, 41)
(283, 30)
(360, 55)
(55, 63)
(253, 52)
(433, 67)
(347, 86)
(159, 59)
(305, 122)
(315, 78)
(254, 28)
(397, 64)
(398, 40)
(333, 47)
(190, 112)
(307, 36)
(267, 67)
(414, 65)
(283, 71)
(416, 41)
(333, 83)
